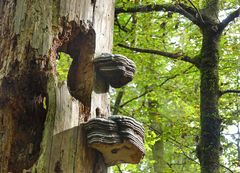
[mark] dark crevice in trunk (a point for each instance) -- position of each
(98, 163)
(23, 91)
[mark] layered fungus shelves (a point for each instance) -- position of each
(120, 139)
(117, 70)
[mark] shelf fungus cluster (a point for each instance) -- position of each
(120, 139)
(117, 70)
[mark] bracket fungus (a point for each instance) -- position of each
(120, 139)
(117, 70)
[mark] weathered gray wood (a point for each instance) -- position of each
(65, 135)
(67, 110)
(69, 140)
(103, 25)
(69, 137)
(29, 43)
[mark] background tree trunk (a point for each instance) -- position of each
(31, 34)
(158, 154)
(210, 120)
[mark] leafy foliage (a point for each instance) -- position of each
(63, 64)
(164, 95)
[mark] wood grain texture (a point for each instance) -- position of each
(103, 25)
(29, 31)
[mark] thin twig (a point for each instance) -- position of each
(226, 168)
(119, 25)
(152, 89)
(175, 56)
(119, 169)
(180, 145)
(137, 97)
(196, 10)
(229, 91)
(180, 8)
(229, 19)
(118, 102)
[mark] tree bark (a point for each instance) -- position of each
(208, 149)
(32, 32)
(158, 147)
(209, 146)
(158, 155)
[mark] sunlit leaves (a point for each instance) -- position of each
(63, 64)
(164, 94)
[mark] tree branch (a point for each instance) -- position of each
(180, 145)
(119, 169)
(180, 8)
(226, 168)
(119, 25)
(175, 56)
(228, 91)
(152, 89)
(137, 97)
(118, 102)
(199, 14)
(229, 19)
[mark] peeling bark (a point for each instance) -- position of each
(31, 34)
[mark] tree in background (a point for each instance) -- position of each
(204, 34)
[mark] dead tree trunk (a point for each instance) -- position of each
(37, 129)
